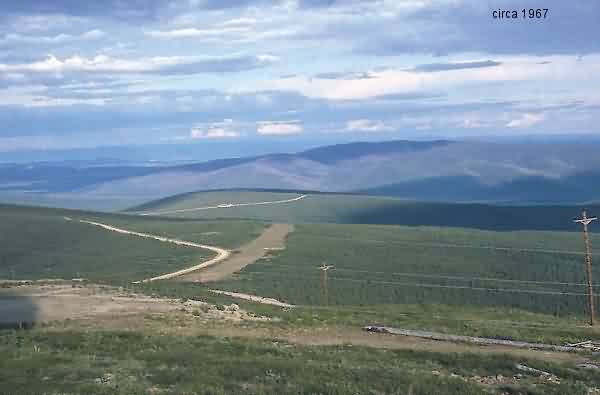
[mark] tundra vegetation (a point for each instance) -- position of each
(446, 279)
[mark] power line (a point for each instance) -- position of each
(422, 285)
(450, 245)
(585, 221)
(445, 276)
(324, 291)
(465, 278)
(567, 263)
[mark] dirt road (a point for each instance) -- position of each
(273, 238)
(222, 254)
(223, 205)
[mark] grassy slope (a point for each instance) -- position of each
(222, 233)
(374, 264)
(339, 208)
(386, 264)
(118, 362)
(39, 243)
(471, 320)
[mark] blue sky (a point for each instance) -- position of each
(87, 73)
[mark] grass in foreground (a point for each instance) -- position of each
(494, 322)
(121, 362)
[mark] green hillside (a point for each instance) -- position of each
(374, 264)
(359, 209)
(39, 243)
(534, 270)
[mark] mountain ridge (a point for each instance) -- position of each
(438, 170)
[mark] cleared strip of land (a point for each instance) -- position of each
(273, 237)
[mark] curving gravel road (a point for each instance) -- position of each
(222, 253)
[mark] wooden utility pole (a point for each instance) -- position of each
(324, 291)
(585, 221)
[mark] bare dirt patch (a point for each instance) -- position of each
(54, 302)
(273, 238)
(43, 303)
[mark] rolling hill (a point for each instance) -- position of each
(459, 171)
(46, 243)
(374, 264)
(580, 187)
(363, 166)
(524, 285)
(317, 207)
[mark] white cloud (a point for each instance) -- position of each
(406, 81)
(15, 38)
(42, 22)
(239, 21)
(367, 125)
(192, 32)
(526, 120)
(213, 133)
(239, 31)
(215, 130)
(157, 64)
(279, 128)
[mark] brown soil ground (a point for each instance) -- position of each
(46, 303)
(273, 238)
(51, 302)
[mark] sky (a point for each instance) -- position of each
(79, 74)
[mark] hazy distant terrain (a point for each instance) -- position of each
(535, 172)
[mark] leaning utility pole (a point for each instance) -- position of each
(324, 292)
(585, 221)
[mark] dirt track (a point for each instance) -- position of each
(333, 336)
(253, 298)
(273, 238)
(222, 253)
(231, 205)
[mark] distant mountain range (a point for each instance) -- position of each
(433, 170)
(580, 188)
